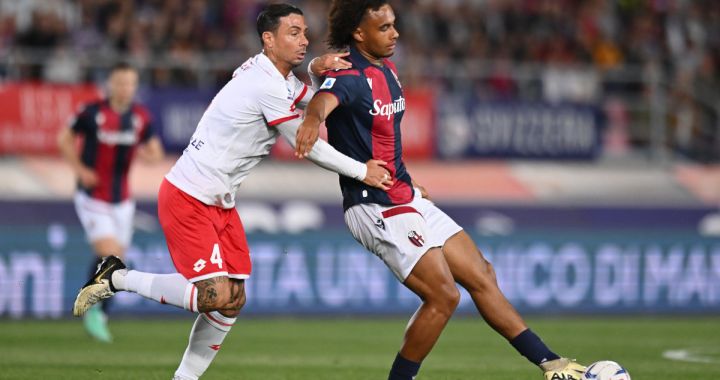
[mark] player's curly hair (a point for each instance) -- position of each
(345, 16)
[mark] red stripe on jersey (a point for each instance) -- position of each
(398, 211)
(299, 98)
(334, 74)
(282, 120)
(384, 140)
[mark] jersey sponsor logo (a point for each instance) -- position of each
(388, 110)
(117, 138)
(416, 239)
(329, 82)
(214, 347)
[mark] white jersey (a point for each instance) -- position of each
(237, 131)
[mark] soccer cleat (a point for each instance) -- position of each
(98, 287)
(562, 369)
(95, 322)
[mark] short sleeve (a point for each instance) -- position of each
(344, 84)
(82, 122)
(148, 131)
(278, 106)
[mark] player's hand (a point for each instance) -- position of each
(305, 139)
(330, 61)
(423, 192)
(88, 178)
(377, 175)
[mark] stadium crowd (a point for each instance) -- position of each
(483, 48)
(681, 35)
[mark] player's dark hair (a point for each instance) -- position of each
(345, 16)
(269, 19)
(121, 66)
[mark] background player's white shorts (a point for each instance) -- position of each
(400, 235)
(105, 220)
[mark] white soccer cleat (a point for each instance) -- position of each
(99, 287)
(562, 369)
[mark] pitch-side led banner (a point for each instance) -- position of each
(318, 268)
(31, 114)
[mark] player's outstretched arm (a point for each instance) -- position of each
(423, 191)
(324, 63)
(372, 173)
(316, 112)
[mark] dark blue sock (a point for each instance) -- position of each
(530, 346)
(403, 369)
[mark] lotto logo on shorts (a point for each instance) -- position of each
(199, 265)
(416, 239)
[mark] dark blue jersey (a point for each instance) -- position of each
(366, 125)
(110, 140)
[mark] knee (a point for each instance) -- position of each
(483, 278)
(446, 299)
(489, 272)
(452, 298)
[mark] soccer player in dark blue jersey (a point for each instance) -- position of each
(425, 249)
(112, 130)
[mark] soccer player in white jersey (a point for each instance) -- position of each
(196, 202)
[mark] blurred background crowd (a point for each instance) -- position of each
(639, 60)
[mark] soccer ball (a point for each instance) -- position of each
(605, 370)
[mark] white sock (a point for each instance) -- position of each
(206, 336)
(172, 289)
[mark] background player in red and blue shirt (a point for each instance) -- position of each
(424, 248)
(113, 131)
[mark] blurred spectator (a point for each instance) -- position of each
(559, 50)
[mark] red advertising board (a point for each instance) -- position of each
(418, 128)
(31, 114)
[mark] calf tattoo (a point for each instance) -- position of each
(208, 292)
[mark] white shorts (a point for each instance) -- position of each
(400, 235)
(105, 220)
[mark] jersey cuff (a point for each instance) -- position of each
(282, 120)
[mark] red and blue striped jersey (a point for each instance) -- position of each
(110, 140)
(366, 125)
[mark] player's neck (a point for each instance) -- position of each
(377, 61)
(119, 106)
(281, 66)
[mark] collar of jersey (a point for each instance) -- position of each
(358, 60)
(268, 66)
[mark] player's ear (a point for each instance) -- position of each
(358, 35)
(268, 39)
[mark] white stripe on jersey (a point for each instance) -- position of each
(235, 132)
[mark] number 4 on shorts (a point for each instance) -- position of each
(215, 257)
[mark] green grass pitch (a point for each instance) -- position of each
(354, 349)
